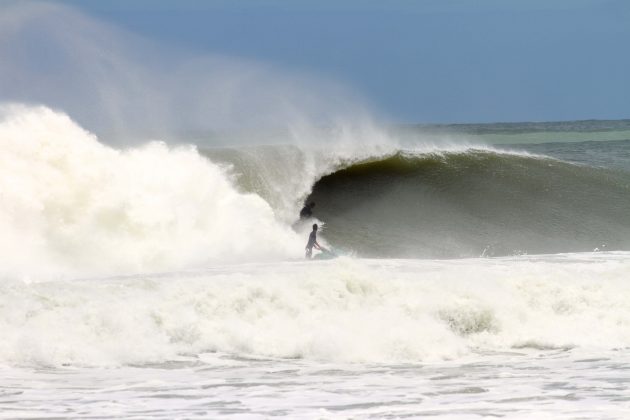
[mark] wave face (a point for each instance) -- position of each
(472, 203)
(73, 206)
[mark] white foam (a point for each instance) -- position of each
(71, 205)
(342, 311)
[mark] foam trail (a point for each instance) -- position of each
(71, 205)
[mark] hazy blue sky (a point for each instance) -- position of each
(423, 60)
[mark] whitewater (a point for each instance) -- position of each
(161, 281)
(521, 337)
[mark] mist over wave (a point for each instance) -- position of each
(284, 174)
(128, 89)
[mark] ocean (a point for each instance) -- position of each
(482, 271)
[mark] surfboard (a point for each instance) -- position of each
(325, 255)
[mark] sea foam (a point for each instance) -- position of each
(348, 310)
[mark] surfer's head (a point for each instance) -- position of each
(311, 204)
(314, 226)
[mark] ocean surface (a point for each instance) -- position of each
(482, 271)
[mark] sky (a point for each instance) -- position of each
(424, 61)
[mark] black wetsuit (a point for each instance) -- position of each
(312, 238)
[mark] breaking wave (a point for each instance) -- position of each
(442, 201)
(73, 205)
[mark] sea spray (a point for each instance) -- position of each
(284, 173)
(126, 88)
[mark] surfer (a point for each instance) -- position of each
(307, 211)
(312, 242)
